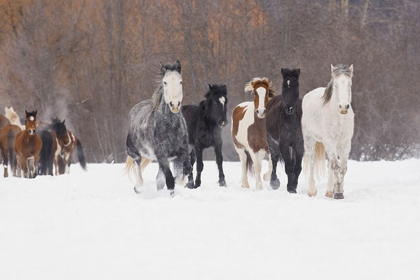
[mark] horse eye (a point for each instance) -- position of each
(164, 83)
(180, 82)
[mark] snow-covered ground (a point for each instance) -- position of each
(91, 225)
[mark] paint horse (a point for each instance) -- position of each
(28, 145)
(158, 131)
(205, 123)
(327, 126)
(69, 144)
(8, 135)
(249, 129)
(284, 131)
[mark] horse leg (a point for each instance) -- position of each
(19, 166)
(330, 148)
(5, 162)
(274, 159)
(190, 183)
(200, 165)
(36, 161)
(243, 158)
(180, 178)
(160, 180)
(257, 159)
(343, 152)
(169, 179)
(219, 161)
(289, 162)
(298, 153)
(25, 168)
(309, 144)
(139, 177)
(330, 183)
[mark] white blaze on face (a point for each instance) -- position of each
(31, 118)
(261, 97)
(288, 83)
(172, 87)
(342, 86)
(222, 100)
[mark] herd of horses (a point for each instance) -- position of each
(283, 126)
(33, 148)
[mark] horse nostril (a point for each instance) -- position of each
(258, 111)
(179, 103)
(171, 104)
(348, 106)
(265, 110)
(339, 106)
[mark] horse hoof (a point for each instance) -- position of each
(292, 191)
(222, 183)
(329, 194)
(275, 184)
(259, 187)
(267, 176)
(245, 186)
(172, 193)
(338, 196)
(190, 185)
(311, 194)
(136, 191)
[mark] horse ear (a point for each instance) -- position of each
(298, 72)
(332, 69)
(351, 71)
(36, 112)
(282, 71)
(210, 87)
(162, 68)
(26, 112)
(178, 66)
(64, 121)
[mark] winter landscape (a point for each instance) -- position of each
(91, 225)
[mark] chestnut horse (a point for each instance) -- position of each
(249, 128)
(28, 144)
(8, 135)
(69, 145)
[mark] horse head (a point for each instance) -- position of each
(216, 101)
(341, 86)
(58, 126)
(172, 85)
(30, 123)
(263, 91)
(290, 90)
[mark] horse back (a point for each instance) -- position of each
(4, 121)
(8, 135)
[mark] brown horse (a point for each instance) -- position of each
(8, 135)
(70, 143)
(28, 144)
(3, 121)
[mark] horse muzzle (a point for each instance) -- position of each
(223, 123)
(290, 111)
(343, 111)
(175, 108)
(31, 131)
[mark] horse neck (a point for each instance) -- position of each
(208, 112)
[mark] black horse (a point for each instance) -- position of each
(284, 131)
(205, 123)
(46, 155)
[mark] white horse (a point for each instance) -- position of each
(13, 117)
(328, 125)
(249, 129)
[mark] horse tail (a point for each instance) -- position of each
(80, 155)
(249, 164)
(130, 165)
(320, 162)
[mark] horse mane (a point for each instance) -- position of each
(157, 94)
(218, 90)
(250, 86)
(338, 70)
(31, 114)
